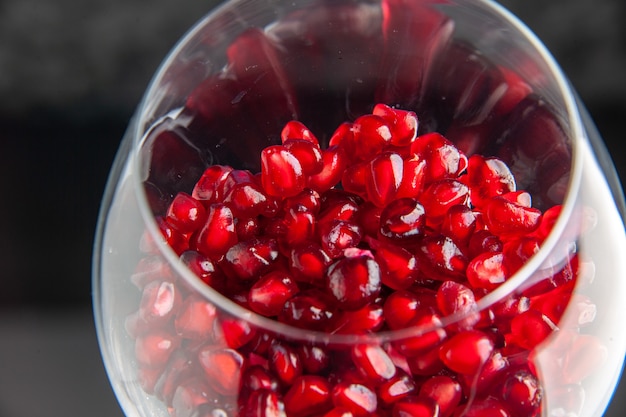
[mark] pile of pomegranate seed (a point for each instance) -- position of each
(381, 230)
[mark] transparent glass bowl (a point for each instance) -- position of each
(469, 70)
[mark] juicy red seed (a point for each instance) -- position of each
(357, 398)
(429, 334)
(415, 407)
(218, 234)
(338, 235)
(400, 308)
(488, 407)
(335, 161)
(522, 393)
(399, 386)
(455, 298)
(488, 177)
(531, 328)
(459, 223)
(445, 391)
(487, 271)
(210, 187)
(297, 130)
(441, 195)
(269, 294)
(518, 251)
(285, 362)
(364, 320)
(521, 198)
(174, 238)
(315, 359)
(308, 263)
(299, 226)
(383, 178)
(309, 394)
(160, 301)
(425, 363)
(402, 220)
(399, 268)
(236, 332)
(507, 218)
(154, 349)
(373, 362)
(247, 200)
(466, 352)
(247, 229)
(307, 199)
(483, 241)
(443, 159)
(337, 206)
(264, 403)
(354, 177)
(251, 258)
(441, 259)
(307, 311)
(196, 318)
(307, 153)
(185, 213)
(354, 281)
(413, 177)
(403, 123)
(203, 268)
(190, 396)
(281, 172)
(371, 134)
(256, 377)
(223, 368)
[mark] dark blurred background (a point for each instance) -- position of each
(71, 74)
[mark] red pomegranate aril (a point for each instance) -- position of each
(504, 217)
(339, 412)
(250, 259)
(396, 388)
(218, 234)
(403, 123)
(426, 363)
(487, 271)
(235, 332)
(371, 134)
(359, 399)
(308, 263)
(309, 394)
(354, 178)
(257, 377)
(151, 268)
(455, 298)
(441, 259)
(467, 351)
(153, 350)
(307, 199)
(483, 241)
(297, 130)
(517, 252)
(315, 359)
(399, 268)
(299, 226)
(247, 200)
(189, 395)
(429, 333)
(185, 213)
(440, 196)
(402, 220)
(285, 362)
(373, 362)
(173, 237)
(522, 393)
(413, 177)
(415, 407)
(383, 178)
(195, 319)
(247, 228)
(530, 328)
(445, 391)
(338, 206)
(354, 281)
(335, 162)
(223, 368)
(459, 223)
(308, 154)
(400, 308)
(338, 235)
(203, 268)
(160, 301)
(281, 172)
(487, 178)
(310, 310)
(210, 187)
(489, 407)
(264, 403)
(443, 159)
(269, 294)
(364, 320)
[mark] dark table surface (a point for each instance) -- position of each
(71, 74)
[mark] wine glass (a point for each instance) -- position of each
(182, 333)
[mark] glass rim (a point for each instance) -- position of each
(516, 281)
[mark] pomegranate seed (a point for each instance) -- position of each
(203, 268)
(354, 281)
(334, 161)
(299, 225)
(531, 328)
(517, 252)
(218, 233)
(459, 224)
(354, 178)
(371, 135)
(223, 368)
(383, 178)
(357, 398)
(251, 258)
(308, 200)
(285, 362)
(402, 220)
(269, 294)
(308, 311)
(309, 394)
(159, 303)
(172, 236)
(487, 271)
(441, 195)
(413, 177)
(297, 130)
(185, 213)
(444, 391)
(428, 334)
(415, 407)
(373, 362)
(236, 332)
(364, 320)
(196, 318)
(403, 123)
(483, 241)
(339, 235)
(281, 172)
(487, 178)
(455, 298)
(398, 266)
(247, 200)
(264, 403)
(522, 393)
(256, 377)
(466, 352)
(154, 349)
(443, 159)
(399, 386)
(315, 359)
(489, 407)
(189, 396)
(210, 187)
(307, 153)
(400, 308)
(505, 217)
(441, 259)
(308, 263)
